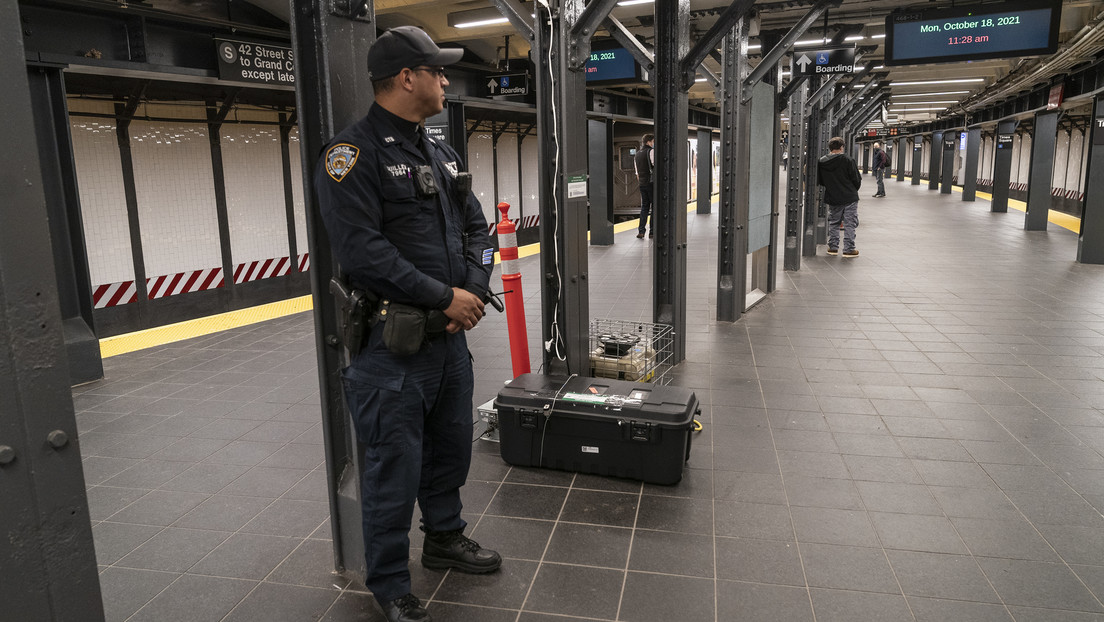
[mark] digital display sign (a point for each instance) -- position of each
(612, 66)
(973, 33)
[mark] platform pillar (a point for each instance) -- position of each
(973, 149)
(917, 159)
(1044, 137)
(1090, 242)
(705, 171)
(1002, 165)
(946, 175)
(902, 150)
(935, 160)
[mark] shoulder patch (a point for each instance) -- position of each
(340, 160)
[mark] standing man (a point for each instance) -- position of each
(645, 165)
(840, 177)
(881, 161)
(406, 228)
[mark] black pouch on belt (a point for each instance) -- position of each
(404, 328)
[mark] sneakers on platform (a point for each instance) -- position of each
(833, 251)
(851, 253)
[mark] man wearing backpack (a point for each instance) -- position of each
(881, 162)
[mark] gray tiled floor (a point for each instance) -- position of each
(917, 433)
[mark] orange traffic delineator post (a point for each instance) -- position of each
(511, 285)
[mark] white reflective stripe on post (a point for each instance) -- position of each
(510, 266)
(507, 240)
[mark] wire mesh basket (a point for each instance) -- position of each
(626, 350)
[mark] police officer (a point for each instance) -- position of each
(405, 227)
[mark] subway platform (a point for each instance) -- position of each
(913, 434)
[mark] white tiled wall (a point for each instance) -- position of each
(1061, 168)
(530, 183)
(103, 201)
(253, 168)
(507, 177)
(176, 197)
(481, 166)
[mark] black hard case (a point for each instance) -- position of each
(541, 424)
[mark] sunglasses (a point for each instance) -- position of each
(437, 71)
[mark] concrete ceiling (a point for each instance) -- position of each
(867, 17)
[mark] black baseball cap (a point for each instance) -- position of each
(406, 46)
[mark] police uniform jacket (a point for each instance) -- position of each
(391, 238)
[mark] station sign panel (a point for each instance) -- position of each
(1098, 131)
(259, 63)
(508, 84)
(1004, 141)
(823, 62)
(999, 30)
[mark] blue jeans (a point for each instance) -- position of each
(645, 205)
(849, 214)
(879, 174)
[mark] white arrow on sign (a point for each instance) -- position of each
(803, 62)
(491, 85)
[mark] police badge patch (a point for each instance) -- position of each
(340, 160)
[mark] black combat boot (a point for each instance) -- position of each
(406, 609)
(452, 549)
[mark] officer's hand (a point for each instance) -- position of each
(466, 309)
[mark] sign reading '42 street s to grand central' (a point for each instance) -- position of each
(823, 62)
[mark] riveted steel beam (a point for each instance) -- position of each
(707, 45)
(644, 55)
(770, 59)
(518, 16)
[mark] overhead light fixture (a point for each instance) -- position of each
(755, 46)
(811, 42)
(632, 2)
(854, 38)
(877, 36)
(475, 18)
(925, 82)
(895, 96)
(703, 80)
(924, 103)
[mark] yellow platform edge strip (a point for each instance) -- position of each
(1062, 219)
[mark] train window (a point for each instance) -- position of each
(628, 158)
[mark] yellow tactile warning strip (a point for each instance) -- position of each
(151, 337)
(1063, 220)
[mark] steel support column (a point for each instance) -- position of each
(735, 153)
(1002, 165)
(865, 156)
(59, 177)
(49, 562)
(946, 175)
(795, 178)
(332, 91)
(1090, 241)
(917, 158)
(812, 226)
(973, 150)
(902, 149)
(935, 160)
(1044, 137)
(600, 149)
(562, 161)
(672, 29)
(705, 171)
(458, 129)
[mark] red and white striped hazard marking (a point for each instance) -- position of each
(1017, 186)
(264, 269)
(519, 223)
(114, 294)
(1066, 194)
(304, 262)
(184, 282)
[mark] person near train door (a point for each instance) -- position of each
(881, 162)
(839, 175)
(645, 167)
(408, 232)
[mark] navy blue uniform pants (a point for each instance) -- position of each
(646, 191)
(413, 415)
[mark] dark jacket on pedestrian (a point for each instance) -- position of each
(840, 178)
(881, 160)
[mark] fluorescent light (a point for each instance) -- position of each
(811, 42)
(877, 36)
(632, 2)
(880, 67)
(481, 22)
(754, 46)
(854, 38)
(703, 80)
(923, 82)
(931, 94)
(785, 73)
(925, 103)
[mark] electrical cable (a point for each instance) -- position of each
(548, 417)
(555, 344)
